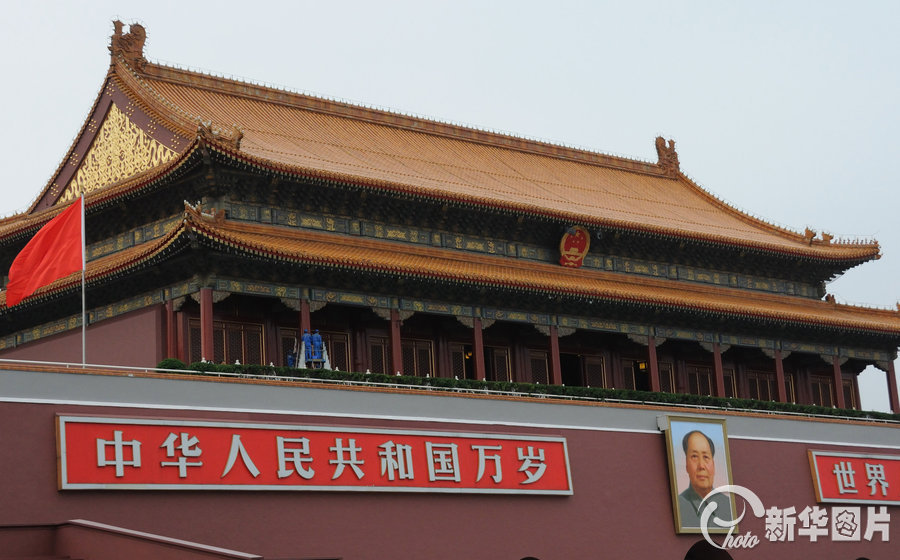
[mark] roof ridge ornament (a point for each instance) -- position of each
(668, 157)
(232, 138)
(129, 46)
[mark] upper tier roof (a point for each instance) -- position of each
(310, 136)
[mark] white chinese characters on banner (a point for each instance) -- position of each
(146, 454)
(855, 478)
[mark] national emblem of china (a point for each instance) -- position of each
(574, 246)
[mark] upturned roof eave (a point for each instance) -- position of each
(181, 120)
(205, 228)
(817, 251)
(674, 302)
(23, 226)
(130, 80)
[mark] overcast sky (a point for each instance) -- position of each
(786, 110)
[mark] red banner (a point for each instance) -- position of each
(856, 478)
(149, 454)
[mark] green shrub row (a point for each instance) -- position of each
(207, 368)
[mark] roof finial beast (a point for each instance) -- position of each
(668, 157)
(129, 46)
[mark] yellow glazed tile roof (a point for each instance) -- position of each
(316, 137)
(399, 259)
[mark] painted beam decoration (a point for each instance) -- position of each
(853, 478)
(100, 453)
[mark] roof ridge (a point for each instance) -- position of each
(382, 116)
(152, 71)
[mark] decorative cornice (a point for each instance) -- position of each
(829, 359)
(178, 302)
(883, 366)
(217, 296)
(641, 339)
(770, 353)
(382, 312)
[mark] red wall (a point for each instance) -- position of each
(621, 506)
(109, 342)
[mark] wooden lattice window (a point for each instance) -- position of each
(232, 341)
(730, 382)
(417, 357)
(289, 344)
(666, 377)
(790, 380)
(378, 354)
(822, 390)
(763, 385)
(850, 395)
(700, 380)
(636, 374)
(497, 364)
(594, 371)
(338, 345)
(459, 354)
(539, 372)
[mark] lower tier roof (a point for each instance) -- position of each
(455, 268)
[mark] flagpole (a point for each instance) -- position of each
(83, 299)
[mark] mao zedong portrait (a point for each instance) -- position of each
(700, 464)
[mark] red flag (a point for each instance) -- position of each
(53, 253)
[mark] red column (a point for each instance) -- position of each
(779, 377)
(720, 371)
(892, 388)
(838, 382)
(478, 348)
(171, 341)
(181, 323)
(654, 363)
(206, 325)
(555, 363)
(396, 351)
(304, 316)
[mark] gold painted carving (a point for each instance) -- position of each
(120, 150)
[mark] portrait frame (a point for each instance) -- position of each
(676, 428)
